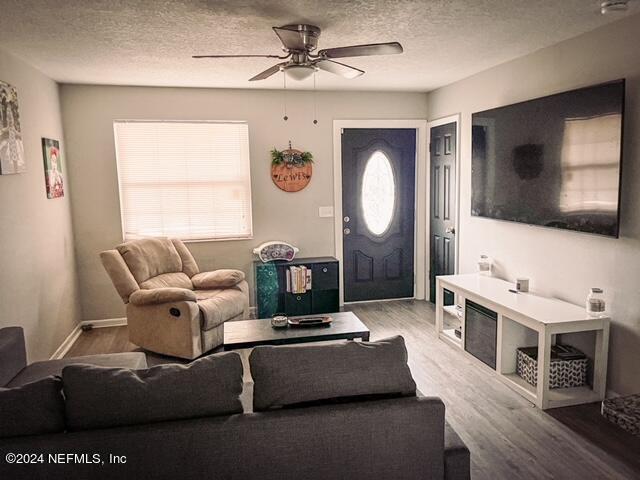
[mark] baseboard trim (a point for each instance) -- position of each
(107, 322)
(381, 300)
(68, 342)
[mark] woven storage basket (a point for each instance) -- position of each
(562, 373)
(624, 412)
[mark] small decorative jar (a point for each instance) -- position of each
(596, 305)
(279, 321)
(484, 265)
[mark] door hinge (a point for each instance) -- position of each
(429, 147)
(342, 131)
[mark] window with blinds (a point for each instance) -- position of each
(188, 180)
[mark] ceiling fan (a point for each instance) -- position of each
(299, 43)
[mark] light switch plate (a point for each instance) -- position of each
(325, 212)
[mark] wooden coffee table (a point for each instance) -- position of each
(251, 333)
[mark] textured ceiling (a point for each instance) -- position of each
(149, 42)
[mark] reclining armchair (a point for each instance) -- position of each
(172, 307)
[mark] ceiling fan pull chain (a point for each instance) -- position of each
(284, 79)
(315, 99)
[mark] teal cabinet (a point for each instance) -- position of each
(267, 290)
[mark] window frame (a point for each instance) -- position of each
(249, 236)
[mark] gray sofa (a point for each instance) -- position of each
(337, 415)
(14, 370)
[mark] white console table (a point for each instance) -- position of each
(522, 317)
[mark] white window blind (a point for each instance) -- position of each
(188, 180)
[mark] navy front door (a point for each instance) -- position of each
(378, 208)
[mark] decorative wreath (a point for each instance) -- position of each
(290, 157)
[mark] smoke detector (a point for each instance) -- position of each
(612, 6)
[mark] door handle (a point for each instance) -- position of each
(450, 230)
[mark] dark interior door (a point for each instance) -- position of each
(378, 207)
(443, 204)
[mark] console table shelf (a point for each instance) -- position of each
(525, 319)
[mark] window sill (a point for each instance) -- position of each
(202, 240)
(190, 240)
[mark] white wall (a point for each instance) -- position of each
(38, 287)
(563, 264)
(89, 111)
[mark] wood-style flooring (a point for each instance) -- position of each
(508, 437)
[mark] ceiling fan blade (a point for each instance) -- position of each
(237, 56)
(338, 68)
(362, 50)
(268, 72)
(291, 39)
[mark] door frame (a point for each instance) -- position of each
(457, 117)
(419, 235)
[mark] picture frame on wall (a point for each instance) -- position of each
(52, 168)
(11, 146)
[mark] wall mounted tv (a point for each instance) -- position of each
(553, 161)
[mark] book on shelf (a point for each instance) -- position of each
(298, 279)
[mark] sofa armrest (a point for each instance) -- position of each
(157, 296)
(223, 278)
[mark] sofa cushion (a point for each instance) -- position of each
(150, 257)
(119, 274)
(13, 356)
(297, 374)
(218, 306)
(159, 296)
(99, 397)
(395, 439)
(40, 370)
(189, 265)
(171, 280)
(32, 409)
(209, 293)
(223, 278)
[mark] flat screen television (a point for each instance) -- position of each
(553, 161)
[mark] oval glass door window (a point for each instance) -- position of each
(378, 193)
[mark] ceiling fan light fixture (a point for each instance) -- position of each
(612, 6)
(299, 72)
(299, 41)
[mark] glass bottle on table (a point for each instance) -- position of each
(596, 304)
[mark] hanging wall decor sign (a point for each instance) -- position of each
(291, 169)
(11, 148)
(52, 168)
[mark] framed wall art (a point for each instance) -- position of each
(11, 147)
(52, 168)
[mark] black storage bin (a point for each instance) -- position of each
(324, 301)
(297, 303)
(480, 332)
(325, 276)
